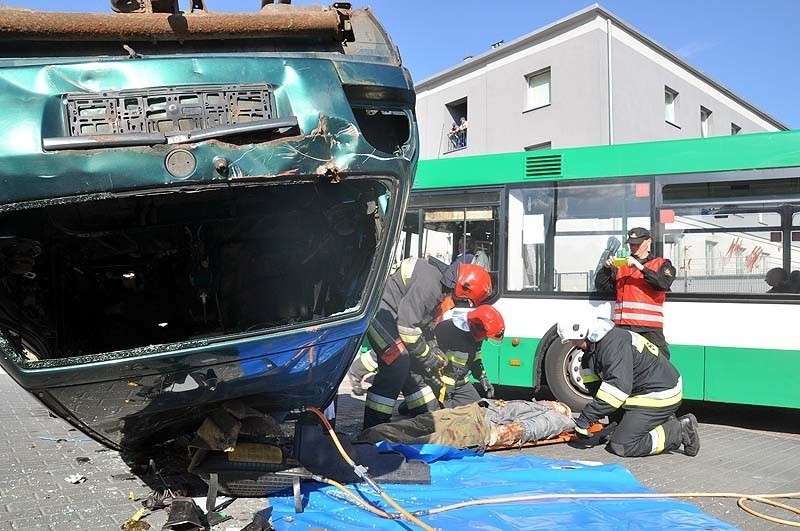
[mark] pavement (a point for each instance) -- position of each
(38, 453)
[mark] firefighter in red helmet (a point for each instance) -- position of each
(405, 359)
(461, 338)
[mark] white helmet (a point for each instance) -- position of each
(590, 328)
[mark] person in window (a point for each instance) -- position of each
(622, 370)
(778, 280)
(640, 287)
(794, 281)
(452, 136)
(465, 251)
(462, 132)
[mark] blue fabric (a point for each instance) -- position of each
(458, 476)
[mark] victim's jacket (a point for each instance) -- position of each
(630, 373)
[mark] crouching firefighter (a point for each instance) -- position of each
(461, 338)
(410, 298)
(624, 370)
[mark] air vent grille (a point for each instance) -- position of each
(542, 166)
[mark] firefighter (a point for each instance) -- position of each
(461, 337)
(641, 287)
(624, 370)
(410, 298)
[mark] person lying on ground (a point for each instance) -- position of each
(479, 425)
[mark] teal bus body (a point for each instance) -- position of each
(725, 210)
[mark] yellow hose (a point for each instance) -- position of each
(361, 472)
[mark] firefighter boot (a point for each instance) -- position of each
(689, 434)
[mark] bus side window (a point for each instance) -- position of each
(529, 214)
(725, 249)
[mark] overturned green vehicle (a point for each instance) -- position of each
(197, 208)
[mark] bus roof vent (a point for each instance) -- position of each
(542, 166)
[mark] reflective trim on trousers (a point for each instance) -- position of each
(420, 398)
(659, 439)
(380, 403)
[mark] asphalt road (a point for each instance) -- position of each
(751, 450)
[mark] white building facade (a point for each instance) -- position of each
(588, 79)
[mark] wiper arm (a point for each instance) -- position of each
(278, 125)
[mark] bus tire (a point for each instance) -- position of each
(562, 369)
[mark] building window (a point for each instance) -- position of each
(670, 105)
(735, 129)
(538, 89)
(705, 117)
(539, 147)
(456, 132)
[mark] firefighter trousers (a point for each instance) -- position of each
(646, 431)
(394, 375)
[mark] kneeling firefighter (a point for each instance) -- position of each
(624, 370)
(461, 337)
(410, 298)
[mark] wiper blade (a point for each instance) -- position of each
(278, 125)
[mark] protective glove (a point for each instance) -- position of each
(433, 360)
(487, 387)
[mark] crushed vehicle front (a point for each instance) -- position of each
(197, 208)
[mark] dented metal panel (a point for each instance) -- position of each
(170, 263)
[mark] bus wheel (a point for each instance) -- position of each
(562, 366)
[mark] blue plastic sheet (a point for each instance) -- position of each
(458, 476)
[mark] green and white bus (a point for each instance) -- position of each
(724, 210)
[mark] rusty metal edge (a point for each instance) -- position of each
(24, 24)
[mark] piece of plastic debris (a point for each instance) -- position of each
(135, 522)
(75, 479)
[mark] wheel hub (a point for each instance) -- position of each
(573, 367)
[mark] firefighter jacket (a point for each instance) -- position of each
(631, 374)
(412, 294)
(463, 352)
(640, 294)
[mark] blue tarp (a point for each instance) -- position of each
(458, 476)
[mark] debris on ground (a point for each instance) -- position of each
(135, 522)
(75, 479)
